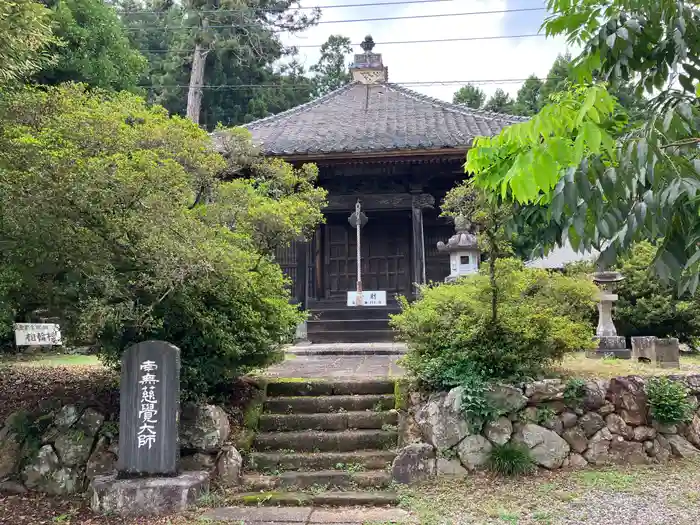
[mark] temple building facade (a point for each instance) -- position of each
(398, 153)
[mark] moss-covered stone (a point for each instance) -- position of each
(251, 416)
(402, 393)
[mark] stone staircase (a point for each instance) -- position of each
(334, 322)
(323, 443)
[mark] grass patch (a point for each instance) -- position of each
(54, 360)
(511, 459)
(578, 365)
(608, 480)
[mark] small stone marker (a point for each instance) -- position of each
(150, 397)
(643, 348)
(667, 353)
(146, 482)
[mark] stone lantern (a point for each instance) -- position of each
(609, 343)
(463, 248)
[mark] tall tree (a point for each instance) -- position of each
(25, 27)
(470, 95)
(93, 47)
(558, 77)
(240, 50)
(500, 102)
(249, 30)
(528, 101)
(331, 70)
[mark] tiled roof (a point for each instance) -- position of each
(371, 118)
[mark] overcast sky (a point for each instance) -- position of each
(433, 62)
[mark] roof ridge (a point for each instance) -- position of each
(449, 106)
(301, 107)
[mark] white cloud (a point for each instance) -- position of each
(441, 62)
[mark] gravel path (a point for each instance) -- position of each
(646, 495)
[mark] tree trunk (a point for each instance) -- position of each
(492, 278)
(194, 93)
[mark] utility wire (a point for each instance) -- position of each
(305, 8)
(377, 19)
(310, 82)
(398, 42)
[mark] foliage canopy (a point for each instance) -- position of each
(593, 176)
(117, 222)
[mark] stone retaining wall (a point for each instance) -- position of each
(609, 424)
(61, 452)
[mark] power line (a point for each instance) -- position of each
(377, 19)
(309, 84)
(304, 8)
(401, 42)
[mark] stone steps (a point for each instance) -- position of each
(318, 478)
(329, 388)
(326, 441)
(334, 498)
(315, 328)
(306, 461)
(330, 421)
(333, 439)
(326, 404)
(352, 336)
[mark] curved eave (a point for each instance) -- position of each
(375, 156)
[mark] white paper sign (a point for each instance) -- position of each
(37, 334)
(369, 298)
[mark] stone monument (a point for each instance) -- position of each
(609, 343)
(463, 248)
(147, 480)
(667, 353)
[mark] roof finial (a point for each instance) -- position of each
(368, 44)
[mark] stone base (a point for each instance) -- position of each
(610, 346)
(146, 496)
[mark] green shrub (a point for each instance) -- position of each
(511, 459)
(668, 401)
(477, 408)
(542, 316)
(574, 391)
(224, 327)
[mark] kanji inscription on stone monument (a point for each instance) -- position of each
(149, 393)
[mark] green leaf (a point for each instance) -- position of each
(591, 133)
(686, 82)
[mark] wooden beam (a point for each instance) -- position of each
(388, 201)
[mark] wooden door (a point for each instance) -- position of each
(385, 244)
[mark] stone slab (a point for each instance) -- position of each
(259, 514)
(622, 353)
(332, 367)
(318, 349)
(359, 515)
(146, 496)
(308, 515)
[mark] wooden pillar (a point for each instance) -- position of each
(300, 282)
(418, 248)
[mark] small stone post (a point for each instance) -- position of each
(147, 481)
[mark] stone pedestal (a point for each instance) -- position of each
(610, 346)
(147, 496)
(643, 348)
(667, 353)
